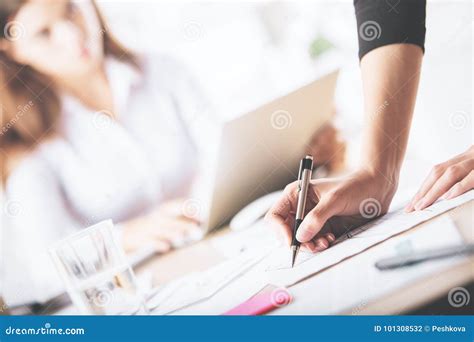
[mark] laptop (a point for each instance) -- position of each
(259, 152)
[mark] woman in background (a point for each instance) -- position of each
(89, 131)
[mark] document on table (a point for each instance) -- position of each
(438, 233)
(352, 285)
(252, 265)
(277, 266)
(237, 242)
(201, 285)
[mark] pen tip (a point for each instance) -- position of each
(293, 256)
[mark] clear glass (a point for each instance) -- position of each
(96, 274)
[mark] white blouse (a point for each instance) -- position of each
(100, 168)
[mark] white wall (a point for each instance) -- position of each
(247, 52)
(443, 122)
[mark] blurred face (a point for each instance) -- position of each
(59, 38)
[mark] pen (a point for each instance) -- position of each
(422, 256)
(304, 176)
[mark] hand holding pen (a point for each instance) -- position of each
(287, 214)
(304, 176)
(342, 200)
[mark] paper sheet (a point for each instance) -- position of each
(350, 286)
(276, 267)
(199, 286)
(237, 242)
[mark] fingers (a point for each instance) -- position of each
(438, 183)
(137, 241)
(461, 187)
(162, 246)
(286, 235)
(178, 208)
(435, 173)
(319, 244)
(316, 218)
(190, 232)
(279, 216)
(451, 176)
(178, 232)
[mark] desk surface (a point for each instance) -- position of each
(431, 287)
(203, 255)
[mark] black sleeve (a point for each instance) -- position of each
(384, 22)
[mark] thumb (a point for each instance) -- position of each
(315, 220)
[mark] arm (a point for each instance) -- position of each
(391, 45)
(390, 74)
(390, 77)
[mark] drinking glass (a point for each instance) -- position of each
(96, 274)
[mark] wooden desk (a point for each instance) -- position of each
(203, 255)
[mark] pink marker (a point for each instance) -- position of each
(262, 302)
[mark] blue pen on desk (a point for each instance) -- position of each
(304, 177)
